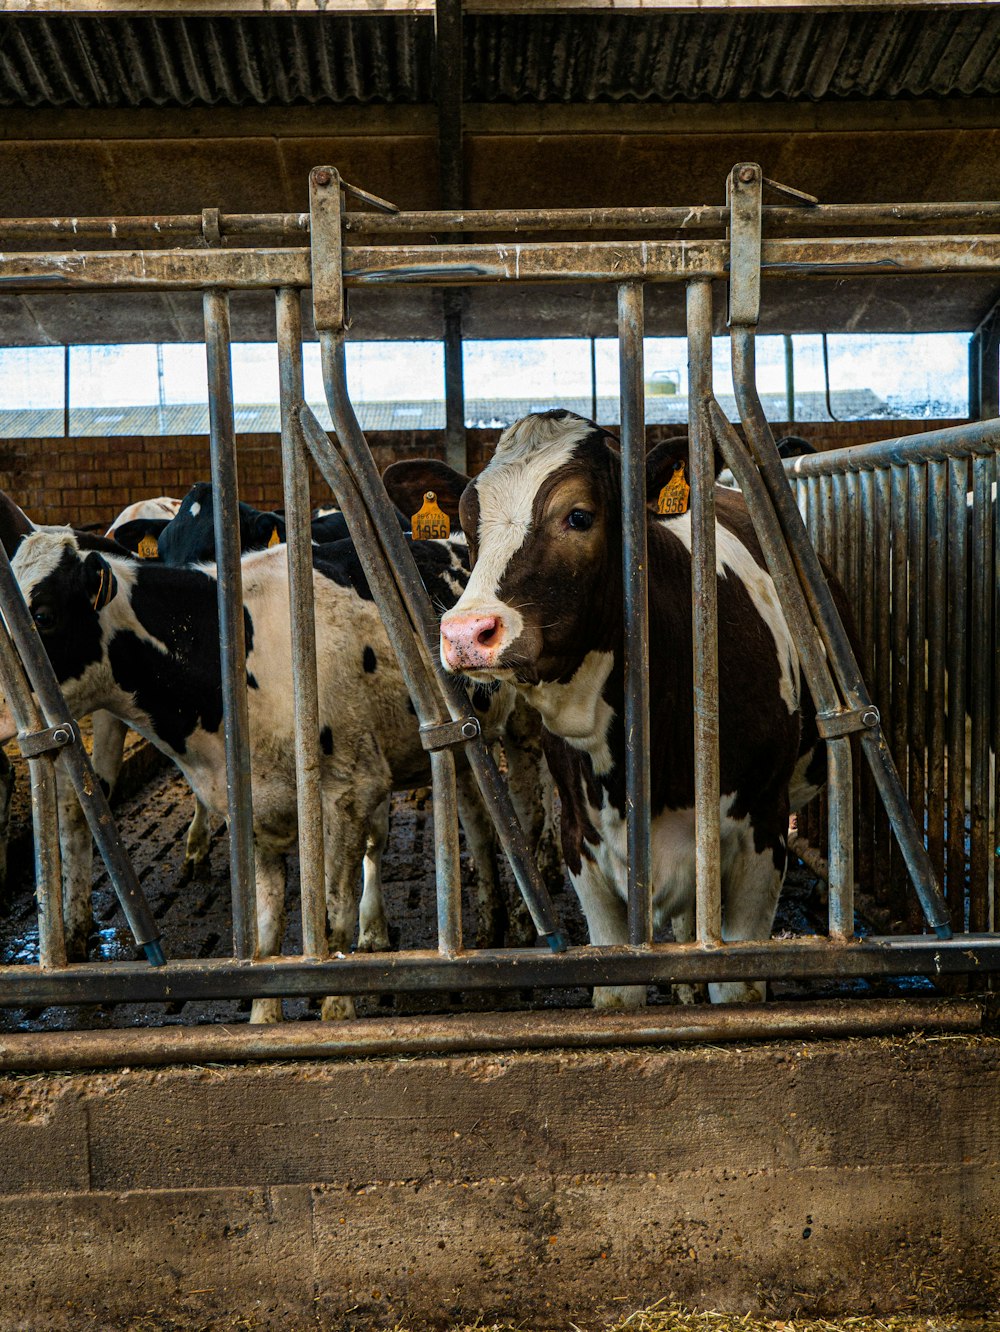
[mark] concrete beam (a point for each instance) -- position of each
(552, 1188)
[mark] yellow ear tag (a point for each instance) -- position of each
(149, 548)
(674, 495)
(430, 521)
(274, 539)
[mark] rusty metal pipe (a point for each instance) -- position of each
(434, 1036)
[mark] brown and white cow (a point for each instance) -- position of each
(543, 609)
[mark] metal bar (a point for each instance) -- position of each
(635, 576)
(789, 378)
(978, 696)
(994, 906)
(449, 67)
(470, 264)
(917, 648)
(704, 618)
(955, 880)
(980, 438)
(425, 971)
(233, 657)
(298, 528)
(446, 853)
(263, 227)
(937, 565)
(900, 579)
(74, 762)
(866, 618)
(455, 444)
(44, 810)
(217, 1043)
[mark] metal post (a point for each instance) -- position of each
(233, 657)
(308, 761)
(449, 64)
(789, 378)
(635, 574)
(455, 448)
(704, 616)
(958, 486)
(978, 701)
(917, 648)
(937, 602)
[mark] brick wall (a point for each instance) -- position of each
(90, 480)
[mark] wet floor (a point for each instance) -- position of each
(196, 923)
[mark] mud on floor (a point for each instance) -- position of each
(196, 922)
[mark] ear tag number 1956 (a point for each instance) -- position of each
(674, 495)
(430, 522)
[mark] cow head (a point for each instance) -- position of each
(67, 586)
(543, 521)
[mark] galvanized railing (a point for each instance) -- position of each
(909, 527)
(331, 267)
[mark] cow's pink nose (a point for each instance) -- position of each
(471, 642)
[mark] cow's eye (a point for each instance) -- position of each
(44, 618)
(580, 520)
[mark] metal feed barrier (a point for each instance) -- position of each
(220, 255)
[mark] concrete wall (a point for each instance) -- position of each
(828, 1177)
(90, 480)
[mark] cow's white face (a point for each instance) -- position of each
(542, 521)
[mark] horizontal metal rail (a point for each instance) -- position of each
(471, 265)
(422, 971)
(263, 227)
(387, 1037)
(979, 438)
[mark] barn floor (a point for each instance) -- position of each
(195, 919)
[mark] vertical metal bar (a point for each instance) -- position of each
(593, 380)
(937, 564)
(883, 663)
(898, 671)
(994, 735)
(635, 576)
(298, 528)
(917, 651)
(789, 379)
(704, 616)
(978, 698)
(839, 543)
(233, 658)
(957, 591)
(44, 810)
(66, 386)
(866, 628)
(455, 445)
(446, 853)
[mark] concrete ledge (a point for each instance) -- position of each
(830, 1177)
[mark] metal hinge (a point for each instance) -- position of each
(450, 733)
(35, 743)
(844, 721)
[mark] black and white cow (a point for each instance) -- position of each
(543, 610)
(142, 641)
(190, 537)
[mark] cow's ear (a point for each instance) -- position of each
(99, 580)
(269, 530)
(663, 462)
(14, 525)
(408, 481)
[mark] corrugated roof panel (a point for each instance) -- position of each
(288, 59)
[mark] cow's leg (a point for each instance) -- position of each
(373, 931)
(199, 841)
(348, 817)
(109, 748)
(77, 853)
(607, 923)
(751, 886)
(480, 837)
(533, 797)
(269, 869)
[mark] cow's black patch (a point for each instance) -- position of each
(252, 681)
(65, 618)
(326, 740)
(369, 661)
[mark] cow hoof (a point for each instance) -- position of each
(616, 998)
(373, 941)
(266, 1011)
(337, 1008)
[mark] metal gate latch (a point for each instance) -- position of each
(35, 743)
(450, 733)
(846, 720)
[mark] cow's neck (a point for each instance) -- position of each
(577, 709)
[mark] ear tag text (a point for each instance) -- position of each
(430, 522)
(674, 495)
(149, 548)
